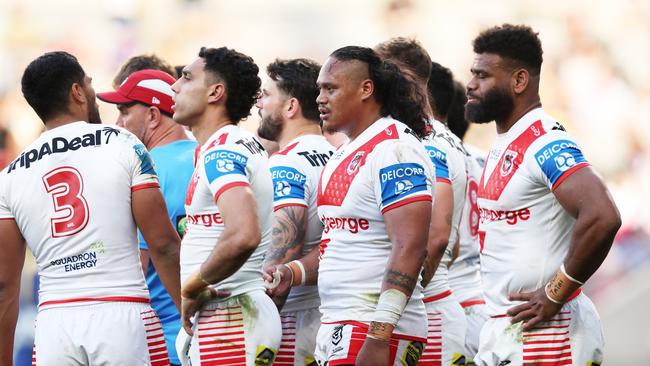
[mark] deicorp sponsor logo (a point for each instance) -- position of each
(557, 157)
(221, 162)
(401, 179)
(288, 182)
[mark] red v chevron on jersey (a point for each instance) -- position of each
(341, 179)
(509, 163)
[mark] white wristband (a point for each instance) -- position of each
(390, 306)
(569, 277)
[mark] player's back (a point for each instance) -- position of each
(70, 194)
(448, 155)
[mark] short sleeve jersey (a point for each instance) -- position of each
(385, 167)
(524, 232)
(448, 156)
(70, 194)
(464, 274)
(230, 158)
(295, 171)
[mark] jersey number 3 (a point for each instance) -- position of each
(65, 184)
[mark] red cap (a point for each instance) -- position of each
(151, 87)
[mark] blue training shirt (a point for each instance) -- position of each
(174, 165)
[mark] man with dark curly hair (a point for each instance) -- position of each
(374, 198)
(547, 220)
(229, 205)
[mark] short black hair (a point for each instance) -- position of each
(141, 62)
(441, 89)
(297, 78)
(397, 96)
(456, 117)
(47, 80)
(239, 73)
(407, 52)
(518, 43)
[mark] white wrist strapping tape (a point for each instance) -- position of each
(302, 272)
(390, 306)
(569, 277)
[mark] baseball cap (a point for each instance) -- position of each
(151, 87)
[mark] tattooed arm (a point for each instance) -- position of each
(408, 229)
(288, 235)
(287, 240)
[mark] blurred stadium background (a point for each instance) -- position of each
(595, 80)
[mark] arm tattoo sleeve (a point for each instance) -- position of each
(289, 227)
(401, 280)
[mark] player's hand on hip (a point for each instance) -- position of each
(190, 306)
(373, 352)
(537, 308)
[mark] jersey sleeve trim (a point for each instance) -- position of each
(566, 174)
(289, 205)
(7, 218)
(405, 202)
(443, 180)
(227, 187)
(138, 187)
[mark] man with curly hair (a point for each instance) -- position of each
(547, 220)
(229, 206)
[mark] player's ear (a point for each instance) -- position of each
(216, 92)
(292, 107)
(77, 94)
(519, 80)
(367, 89)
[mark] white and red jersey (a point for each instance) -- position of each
(296, 171)
(524, 232)
(383, 168)
(231, 157)
(70, 194)
(448, 156)
(465, 272)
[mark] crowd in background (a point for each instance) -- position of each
(595, 77)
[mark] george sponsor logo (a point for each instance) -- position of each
(337, 334)
(508, 162)
(511, 217)
(206, 220)
(354, 164)
(403, 186)
(564, 161)
(351, 224)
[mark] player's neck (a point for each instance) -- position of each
(297, 128)
(166, 134)
(366, 117)
(62, 120)
(518, 111)
(208, 126)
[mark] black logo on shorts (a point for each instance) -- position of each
(504, 363)
(337, 335)
(264, 357)
(413, 353)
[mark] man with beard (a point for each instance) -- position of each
(290, 117)
(547, 219)
(75, 196)
(229, 205)
(447, 323)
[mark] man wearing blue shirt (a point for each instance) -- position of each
(144, 101)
